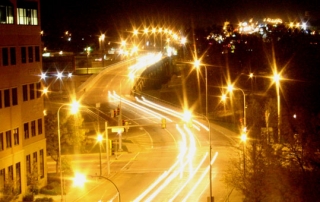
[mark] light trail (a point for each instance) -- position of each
(138, 107)
(171, 112)
(201, 178)
(183, 149)
(153, 185)
(186, 156)
(189, 179)
(173, 173)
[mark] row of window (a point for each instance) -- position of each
(33, 125)
(6, 179)
(30, 54)
(31, 167)
(29, 92)
(25, 16)
(6, 140)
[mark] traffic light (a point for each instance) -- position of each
(126, 125)
(112, 113)
(163, 123)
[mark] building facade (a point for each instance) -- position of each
(22, 134)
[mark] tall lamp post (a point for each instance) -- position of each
(230, 89)
(244, 139)
(99, 139)
(244, 129)
(74, 108)
(197, 65)
(276, 80)
(101, 41)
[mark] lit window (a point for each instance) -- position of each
(27, 16)
(6, 14)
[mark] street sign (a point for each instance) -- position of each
(117, 129)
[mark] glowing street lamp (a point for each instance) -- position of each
(187, 118)
(197, 65)
(74, 108)
(230, 89)
(223, 97)
(244, 139)
(99, 140)
(79, 180)
(135, 32)
(276, 80)
(43, 76)
(101, 41)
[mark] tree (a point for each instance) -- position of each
(9, 193)
(33, 179)
(71, 134)
(289, 171)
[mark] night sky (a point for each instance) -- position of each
(107, 14)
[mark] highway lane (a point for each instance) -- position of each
(159, 150)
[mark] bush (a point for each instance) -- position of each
(28, 198)
(44, 199)
(48, 192)
(51, 189)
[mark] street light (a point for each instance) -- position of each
(244, 139)
(119, 197)
(230, 89)
(276, 80)
(197, 64)
(101, 41)
(74, 108)
(99, 139)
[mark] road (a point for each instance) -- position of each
(156, 164)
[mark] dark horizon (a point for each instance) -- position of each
(106, 15)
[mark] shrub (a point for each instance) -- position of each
(28, 198)
(44, 199)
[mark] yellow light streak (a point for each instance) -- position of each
(189, 179)
(138, 107)
(171, 112)
(201, 178)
